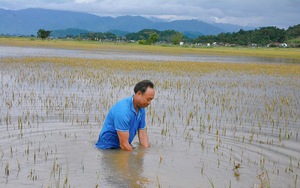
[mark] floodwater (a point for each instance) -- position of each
(221, 129)
(6, 51)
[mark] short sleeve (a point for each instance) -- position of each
(121, 122)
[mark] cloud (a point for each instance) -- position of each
(282, 13)
(249, 21)
(84, 1)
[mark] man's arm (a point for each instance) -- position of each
(143, 138)
(123, 139)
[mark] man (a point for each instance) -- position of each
(126, 118)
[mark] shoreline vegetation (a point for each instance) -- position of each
(288, 53)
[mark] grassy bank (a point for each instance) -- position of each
(291, 53)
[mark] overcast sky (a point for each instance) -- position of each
(258, 13)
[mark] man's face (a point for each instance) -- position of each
(146, 98)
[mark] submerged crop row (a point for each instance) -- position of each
(169, 66)
(240, 120)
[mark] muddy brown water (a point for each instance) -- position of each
(200, 127)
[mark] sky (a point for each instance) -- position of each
(257, 13)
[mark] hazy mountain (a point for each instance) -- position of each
(29, 21)
(232, 28)
(119, 32)
(190, 26)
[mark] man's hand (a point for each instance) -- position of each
(143, 138)
(123, 139)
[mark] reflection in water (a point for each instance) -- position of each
(123, 169)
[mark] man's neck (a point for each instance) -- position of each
(135, 104)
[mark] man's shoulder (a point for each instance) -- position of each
(123, 102)
(122, 105)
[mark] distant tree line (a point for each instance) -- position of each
(99, 36)
(260, 37)
(145, 36)
(151, 36)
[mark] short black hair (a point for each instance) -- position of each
(142, 86)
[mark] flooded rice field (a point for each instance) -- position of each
(207, 128)
(6, 51)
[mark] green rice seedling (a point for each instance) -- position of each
(279, 135)
(2, 154)
(27, 151)
(34, 157)
(11, 152)
(211, 182)
(46, 156)
(7, 169)
(32, 175)
(158, 183)
(19, 166)
(264, 179)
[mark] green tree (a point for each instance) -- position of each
(142, 35)
(293, 32)
(153, 38)
(43, 34)
(144, 42)
(206, 39)
(267, 35)
(177, 38)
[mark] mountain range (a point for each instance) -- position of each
(29, 21)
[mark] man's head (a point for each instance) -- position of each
(144, 93)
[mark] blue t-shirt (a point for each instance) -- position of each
(121, 117)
